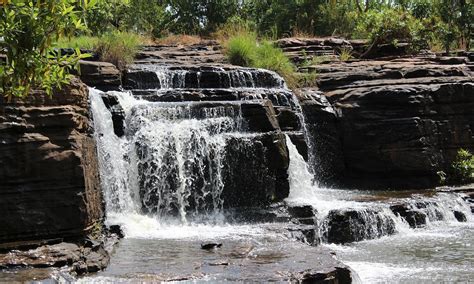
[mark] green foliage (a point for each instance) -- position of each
(457, 17)
(244, 50)
(84, 42)
(389, 26)
(345, 54)
(338, 18)
(106, 15)
(200, 16)
(149, 17)
(278, 18)
(462, 169)
(233, 27)
(116, 47)
(447, 35)
(29, 29)
(272, 58)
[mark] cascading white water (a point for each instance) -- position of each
(112, 152)
(171, 156)
(374, 219)
(172, 78)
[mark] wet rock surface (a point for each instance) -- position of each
(248, 260)
(352, 225)
(74, 258)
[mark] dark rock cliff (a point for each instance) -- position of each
(49, 179)
(390, 123)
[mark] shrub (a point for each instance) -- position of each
(233, 27)
(462, 169)
(389, 26)
(28, 29)
(272, 58)
(345, 54)
(337, 18)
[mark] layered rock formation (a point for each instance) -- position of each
(394, 123)
(49, 174)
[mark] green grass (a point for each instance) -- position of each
(244, 50)
(85, 42)
(118, 48)
(272, 58)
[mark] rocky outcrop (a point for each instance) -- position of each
(207, 51)
(49, 174)
(301, 50)
(81, 259)
(101, 75)
(391, 123)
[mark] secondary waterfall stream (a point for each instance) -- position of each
(165, 177)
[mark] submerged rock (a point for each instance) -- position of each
(460, 216)
(352, 225)
(413, 217)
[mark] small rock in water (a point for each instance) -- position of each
(210, 246)
(461, 217)
(221, 263)
(116, 229)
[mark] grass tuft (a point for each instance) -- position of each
(242, 50)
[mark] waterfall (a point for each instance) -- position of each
(176, 161)
(113, 159)
(170, 161)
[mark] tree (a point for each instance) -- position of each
(200, 16)
(29, 29)
(147, 16)
(457, 17)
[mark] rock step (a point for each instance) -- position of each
(204, 52)
(163, 77)
(279, 97)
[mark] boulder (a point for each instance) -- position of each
(256, 171)
(352, 225)
(102, 75)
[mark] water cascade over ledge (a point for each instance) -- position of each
(196, 143)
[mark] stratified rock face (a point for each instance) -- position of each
(49, 183)
(393, 123)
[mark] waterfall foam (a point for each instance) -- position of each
(365, 220)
